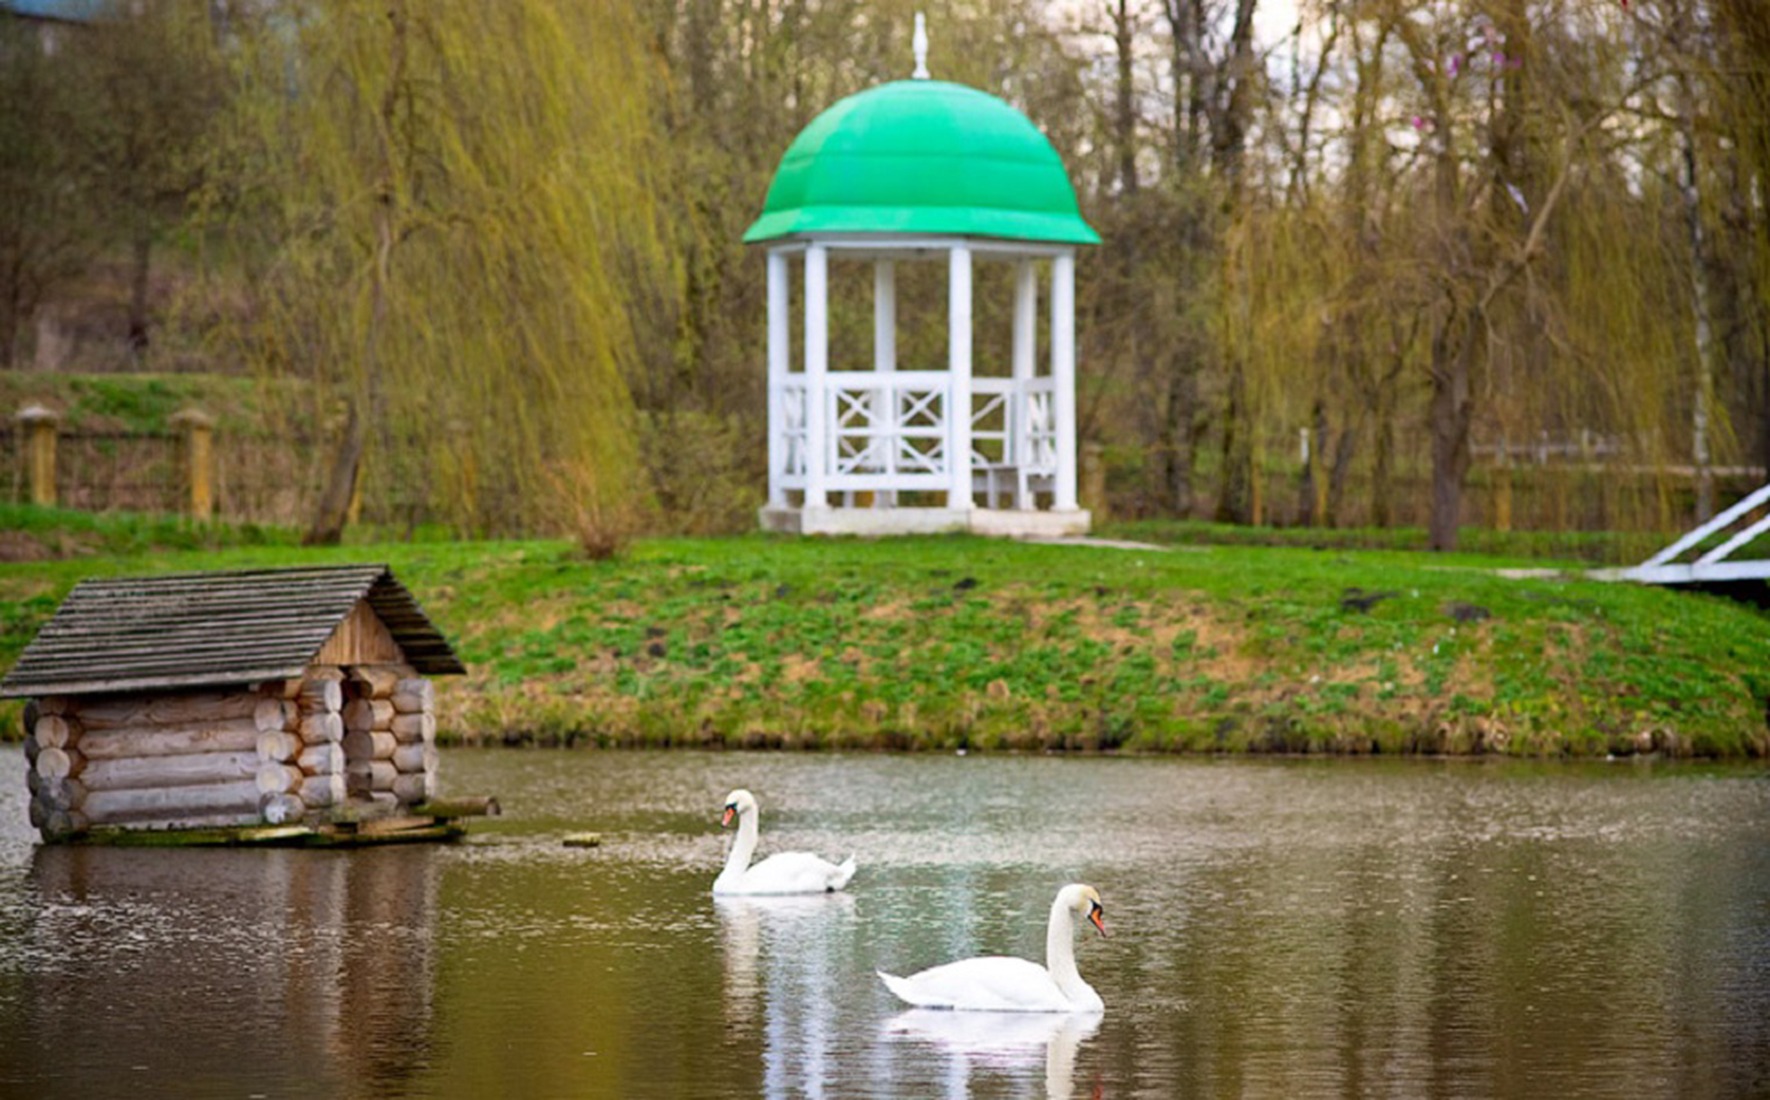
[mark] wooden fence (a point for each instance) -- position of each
(198, 467)
(1545, 486)
(189, 469)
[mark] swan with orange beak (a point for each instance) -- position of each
(1000, 983)
(782, 873)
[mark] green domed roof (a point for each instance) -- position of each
(922, 156)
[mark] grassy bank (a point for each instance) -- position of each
(960, 642)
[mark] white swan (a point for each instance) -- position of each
(999, 983)
(782, 873)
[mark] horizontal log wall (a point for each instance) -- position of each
(270, 753)
(238, 799)
(183, 709)
(138, 772)
(202, 738)
(186, 759)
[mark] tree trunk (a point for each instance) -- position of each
(1236, 105)
(1338, 474)
(1181, 438)
(140, 266)
(1235, 499)
(1452, 410)
(1701, 303)
(698, 30)
(1125, 108)
(332, 512)
(1763, 373)
(1383, 464)
(1186, 33)
(1700, 310)
(17, 307)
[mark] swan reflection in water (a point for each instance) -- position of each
(1009, 1043)
(782, 958)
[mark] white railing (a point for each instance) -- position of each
(992, 422)
(1039, 455)
(1716, 564)
(890, 431)
(1013, 439)
(1012, 424)
(794, 431)
(887, 431)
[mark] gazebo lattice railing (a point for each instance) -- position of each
(890, 433)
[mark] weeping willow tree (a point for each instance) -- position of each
(1741, 83)
(443, 210)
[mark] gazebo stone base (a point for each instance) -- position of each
(870, 522)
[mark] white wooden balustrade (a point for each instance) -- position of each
(846, 447)
(891, 433)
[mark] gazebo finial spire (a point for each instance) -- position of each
(920, 44)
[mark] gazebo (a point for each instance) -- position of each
(922, 170)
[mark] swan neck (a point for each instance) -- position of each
(1060, 951)
(744, 846)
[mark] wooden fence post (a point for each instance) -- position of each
(1256, 492)
(1502, 497)
(198, 429)
(38, 425)
(1093, 481)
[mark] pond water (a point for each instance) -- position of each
(1295, 928)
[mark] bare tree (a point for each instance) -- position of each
(48, 185)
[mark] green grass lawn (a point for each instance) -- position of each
(962, 642)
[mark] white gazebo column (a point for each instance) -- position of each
(777, 377)
(1063, 377)
(958, 358)
(884, 316)
(885, 411)
(1026, 335)
(817, 361)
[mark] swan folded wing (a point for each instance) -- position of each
(788, 873)
(993, 983)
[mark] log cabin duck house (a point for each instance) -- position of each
(268, 705)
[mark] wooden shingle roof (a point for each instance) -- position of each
(193, 629)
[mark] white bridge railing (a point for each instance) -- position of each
(891, 432)
(1715, 564)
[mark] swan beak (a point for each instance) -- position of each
(1098, 917)
(725, 819)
